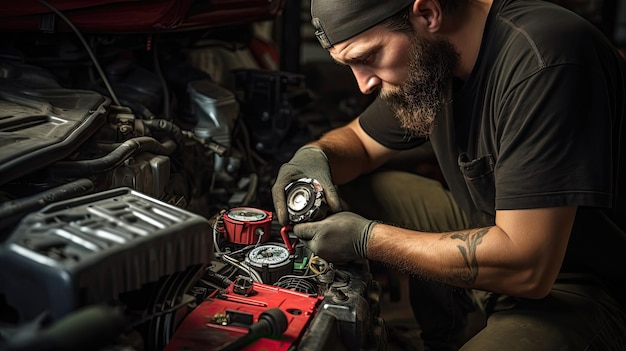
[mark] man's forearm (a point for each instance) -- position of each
(482, 258)
(346, 155)
(351, 152)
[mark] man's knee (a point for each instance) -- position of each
(404, 199)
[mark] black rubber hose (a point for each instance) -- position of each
(165, 126)
(114, 159)
(14, 210)
(271, 324)
(219, 279)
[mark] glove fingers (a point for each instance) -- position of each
(332, 199)
(287, 173)
(281, 213)
(280, 205)
(304, 231)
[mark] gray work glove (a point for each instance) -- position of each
(308, 162)
(341, 237)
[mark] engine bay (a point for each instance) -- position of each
(135, 177)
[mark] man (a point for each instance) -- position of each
(523, 103)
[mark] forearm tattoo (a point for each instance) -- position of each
(470, 241)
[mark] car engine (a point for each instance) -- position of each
(139, 145)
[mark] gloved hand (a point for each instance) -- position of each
(341, 237)
(308, 162)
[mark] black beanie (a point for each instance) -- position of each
(338, 20)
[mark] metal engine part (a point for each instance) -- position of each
(106, 194)
(347, 318)
(305, 200)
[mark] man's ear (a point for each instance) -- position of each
(427, 15)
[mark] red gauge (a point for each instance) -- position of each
(247, 225)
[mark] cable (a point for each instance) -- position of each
(216, 246)
(253, 274)
(105, 80)
(157, 67)
(272, 324)
(296, 276)
(318, 265)
(248, 247)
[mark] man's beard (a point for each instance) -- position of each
(417, 102)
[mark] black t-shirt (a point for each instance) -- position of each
(539, 123)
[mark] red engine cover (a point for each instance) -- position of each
(138, 15)
(200, 330)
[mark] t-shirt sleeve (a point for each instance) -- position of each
(379, 122)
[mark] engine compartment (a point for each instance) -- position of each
(135, 177)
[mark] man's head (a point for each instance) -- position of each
(409, 67)
(338, 20)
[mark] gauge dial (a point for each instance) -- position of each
(268, 255)
(247, 214)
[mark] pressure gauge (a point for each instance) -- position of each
(272, 261)
(305, 200)
(244, 214)
(247, 225)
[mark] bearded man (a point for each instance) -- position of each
(523, 102)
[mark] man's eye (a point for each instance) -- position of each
(365, 60)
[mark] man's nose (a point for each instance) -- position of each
(367, 81)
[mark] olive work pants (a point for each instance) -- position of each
(576, 315)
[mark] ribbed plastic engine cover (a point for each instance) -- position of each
(91, 249)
